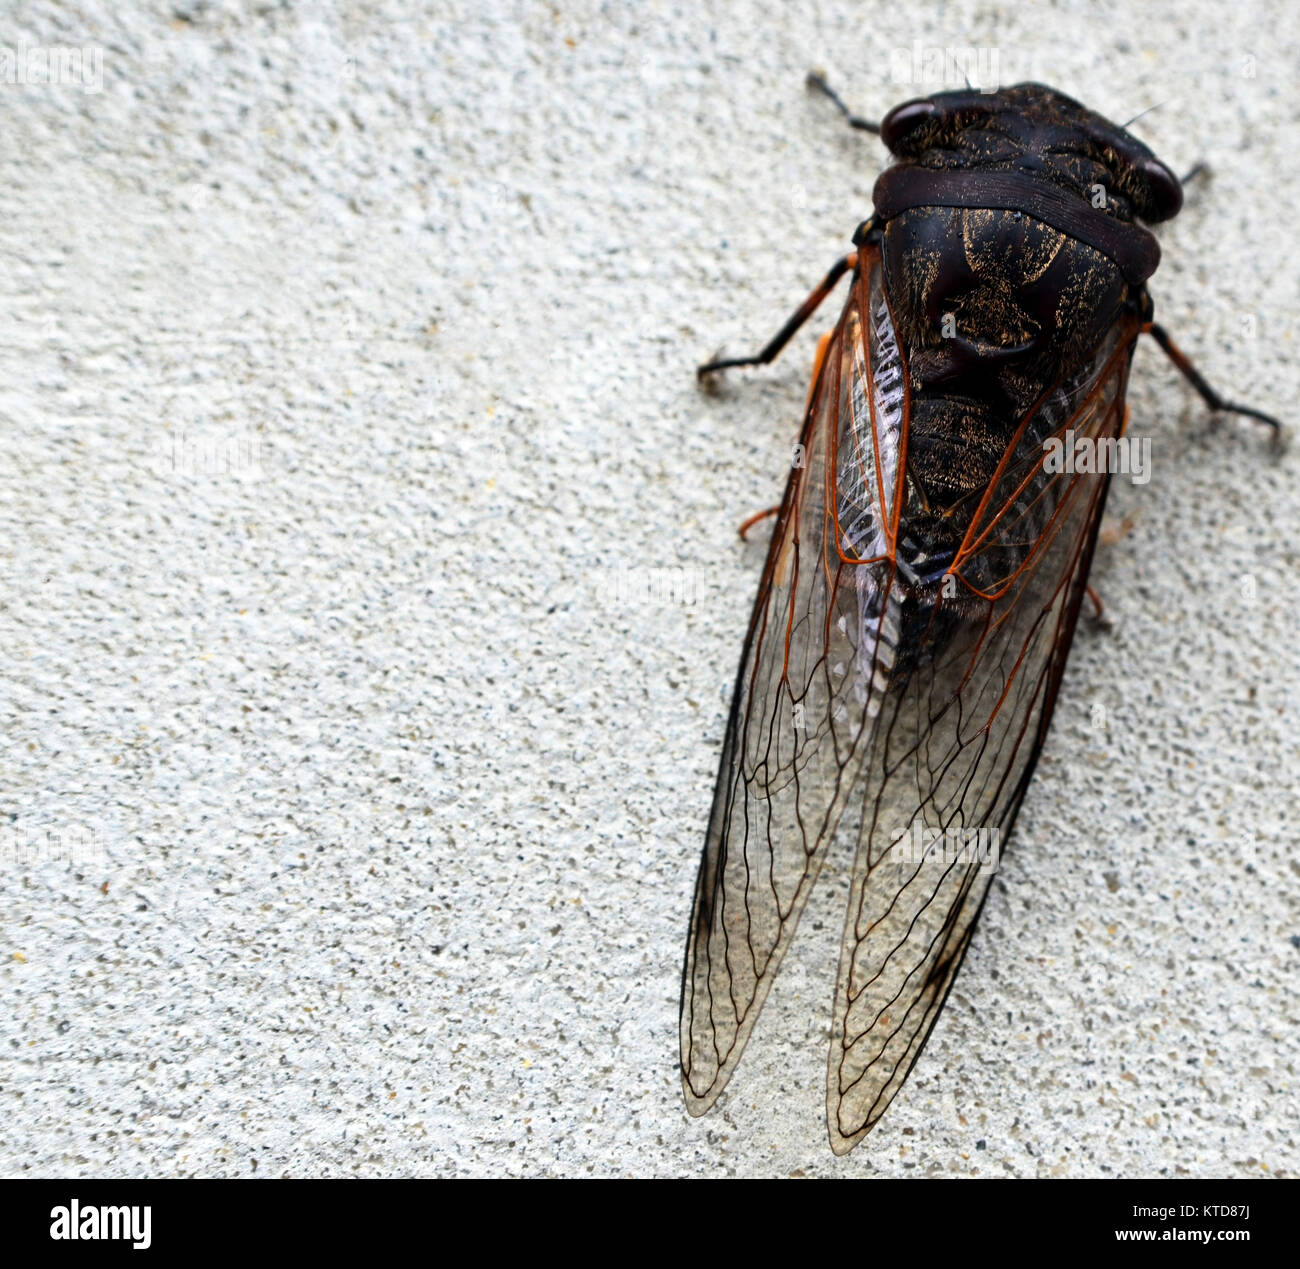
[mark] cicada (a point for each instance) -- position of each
(927, 568)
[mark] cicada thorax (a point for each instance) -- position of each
(992, 311)
(1000, 310)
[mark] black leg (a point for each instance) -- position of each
(782, 337)
(818, 81)
(1207, 393)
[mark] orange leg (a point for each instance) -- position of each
(755, 518)
(1111, 533)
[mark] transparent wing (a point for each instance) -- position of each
(799, 712)
(957, 735)
(893, 695)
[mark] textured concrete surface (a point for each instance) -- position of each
(358, 737)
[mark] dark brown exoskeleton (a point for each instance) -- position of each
(927, 568)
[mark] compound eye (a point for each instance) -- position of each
(1166, 194)
(902, 120)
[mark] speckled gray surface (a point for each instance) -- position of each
(345, 369)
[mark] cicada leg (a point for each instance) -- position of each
(1207, 393)
(757, 518)
(784, 335)
(1099, 617)
(818, 81)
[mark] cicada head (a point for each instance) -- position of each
(1037, 130)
